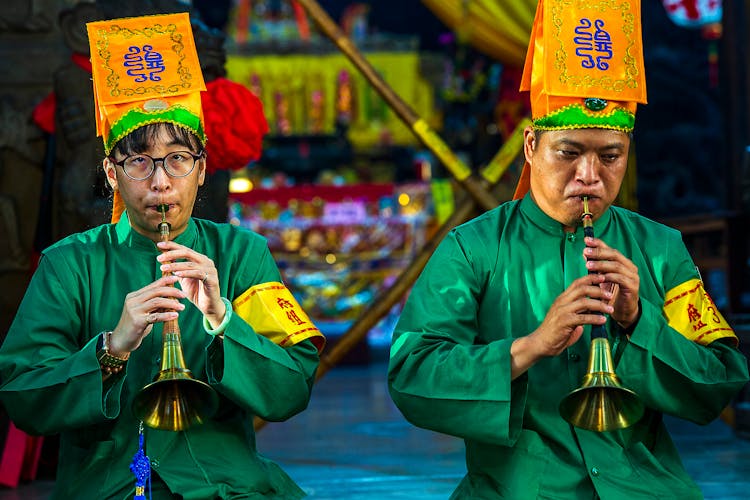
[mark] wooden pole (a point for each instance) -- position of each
(476, 188)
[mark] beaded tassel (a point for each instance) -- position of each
(141, 468)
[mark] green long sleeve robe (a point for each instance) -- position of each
(52, 382)
(492, 280)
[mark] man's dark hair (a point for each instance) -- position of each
(142, 138)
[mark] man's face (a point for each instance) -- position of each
(569, 164)
(143, 197)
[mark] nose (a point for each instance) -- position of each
(160, 180)
(587, 170)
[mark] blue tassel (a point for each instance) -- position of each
(141, 468)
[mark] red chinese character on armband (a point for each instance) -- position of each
(695, 317)
(283, 303)
(292, 315)
(698, 325)
(693, 313)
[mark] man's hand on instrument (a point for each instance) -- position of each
(198, 278)
(154, 303)
(583, 303)
(578, 305)
(621, 276)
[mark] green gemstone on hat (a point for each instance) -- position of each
(595, 103)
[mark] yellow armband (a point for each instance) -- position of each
(690, 310)
(272, 311)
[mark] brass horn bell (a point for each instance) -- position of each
(601, 403)
(174, 400)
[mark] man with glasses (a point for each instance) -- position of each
(176, 164)
(88, 334)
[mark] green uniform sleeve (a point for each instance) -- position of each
(263, 378)
(441, 376)
(677, 376)
(49, 382)
(671, 373)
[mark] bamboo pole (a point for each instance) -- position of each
(476, 188)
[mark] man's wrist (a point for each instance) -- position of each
(523, 355)
(219, 330)
(627, 329)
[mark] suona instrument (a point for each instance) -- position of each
(601, 403)
(175, 400)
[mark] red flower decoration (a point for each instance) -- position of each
(235, 125)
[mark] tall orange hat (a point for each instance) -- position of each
(145, 70)
(584, 67)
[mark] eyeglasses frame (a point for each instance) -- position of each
(121, 164)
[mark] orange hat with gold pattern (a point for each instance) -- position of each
(584, 67)
(145, 70)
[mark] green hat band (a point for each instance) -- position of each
(136, 118)
(577, 116)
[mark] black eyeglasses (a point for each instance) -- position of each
(142, 166)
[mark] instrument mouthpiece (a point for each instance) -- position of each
(586, 212)
(164, 226)
(587, 217)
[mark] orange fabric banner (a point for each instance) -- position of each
(140, 58)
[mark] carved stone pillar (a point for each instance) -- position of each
(30, 50)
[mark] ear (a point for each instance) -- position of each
(529, 143)
(202, 170)
(110, 170)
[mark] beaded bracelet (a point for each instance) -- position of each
(109, 363)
